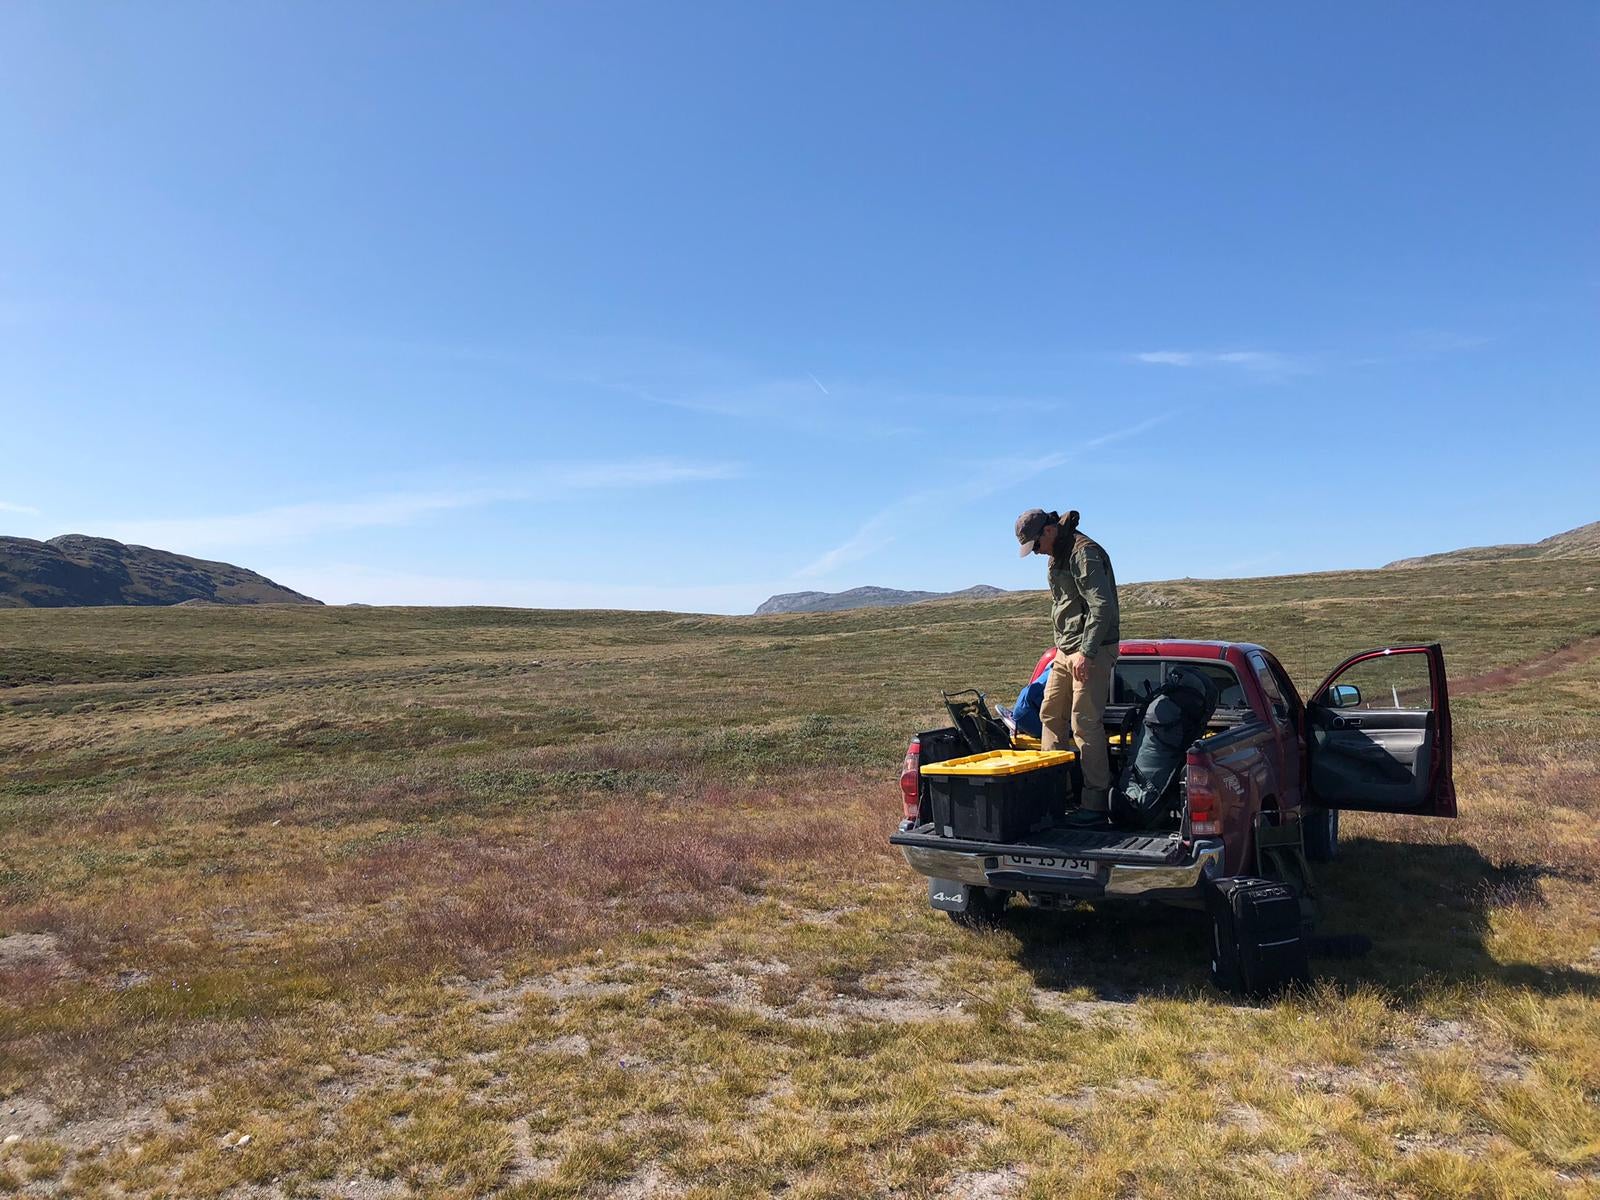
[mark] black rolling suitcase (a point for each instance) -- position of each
(1257, 944)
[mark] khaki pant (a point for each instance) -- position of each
(1086, 703)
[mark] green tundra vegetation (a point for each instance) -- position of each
(310, 901)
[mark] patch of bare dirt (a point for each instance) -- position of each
(573, 1045)
(578, 983)
(527, 1164)
(499, 999)
(29, 1117)
(817, 916)
(1332, 1080)
(359, 1187)
(1245, 1117)
(20, 950)
(759, 987)
(1494, 1060)
(22, 1115)
(1088, 1098)
(898, 997)
(984, 1185)
(1537, 668)
(1115, 1012)
(646, 1185)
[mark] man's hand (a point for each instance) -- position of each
(1079, 666)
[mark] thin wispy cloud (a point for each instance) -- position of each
(644, 473)
(288, 522)
(1444, 341)
(26, 510)
(877, 533)
(711, 384)
(1261, 362)
(882, 528)
(1117, 435)
(348, 583)
(777, 401)
(1272, 364)
(848, 410)
(292, 522)
(1423, 344)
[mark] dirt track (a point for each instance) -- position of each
(1538, 668)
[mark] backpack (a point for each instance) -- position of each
(1026, 714)
(1156, 735)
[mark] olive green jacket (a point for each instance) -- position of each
(1083, 599)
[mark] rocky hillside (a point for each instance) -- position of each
(74, 570)
(866, 597)
(1582, 542)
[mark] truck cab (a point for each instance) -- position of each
(1375, 735)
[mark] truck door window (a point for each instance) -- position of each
(1285, 686)
(1269, 684)
(1392, 681)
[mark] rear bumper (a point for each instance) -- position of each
(1179, 882)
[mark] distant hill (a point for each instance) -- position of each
(1582, 542)
(73, 570)
(866, 597)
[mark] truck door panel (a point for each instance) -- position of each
(1386, 759)
(1387, 750)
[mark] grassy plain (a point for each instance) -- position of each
(456, 902)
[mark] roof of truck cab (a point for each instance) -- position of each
(1183, 647)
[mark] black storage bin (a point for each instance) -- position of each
(997, 808)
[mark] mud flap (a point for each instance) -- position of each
(948, 896)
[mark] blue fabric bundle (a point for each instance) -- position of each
(1026, 713)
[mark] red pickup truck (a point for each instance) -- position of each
(1374, 736)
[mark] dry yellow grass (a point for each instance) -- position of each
(458, 903)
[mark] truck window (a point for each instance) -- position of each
(1229, 692)
(1397, 681)
(1134, 679)
(1269, 685)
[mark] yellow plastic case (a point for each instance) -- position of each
(1023, 741)
(1001, 762)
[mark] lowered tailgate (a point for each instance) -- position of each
(1090, 844)
(1088, 863)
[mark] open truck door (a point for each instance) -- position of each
(1378, 734)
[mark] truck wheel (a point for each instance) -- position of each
(1321, 826)
(986, 908)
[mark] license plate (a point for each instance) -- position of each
(1047, 864)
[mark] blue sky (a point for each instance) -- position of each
(679, 306)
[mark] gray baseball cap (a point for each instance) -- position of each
(1029, 526)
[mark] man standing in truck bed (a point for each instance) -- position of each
(1083, 607)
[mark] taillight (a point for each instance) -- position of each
(1205, 819)
(911, 779)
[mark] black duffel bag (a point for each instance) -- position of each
(1258, 944)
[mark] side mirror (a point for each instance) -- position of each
(1344, 695)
